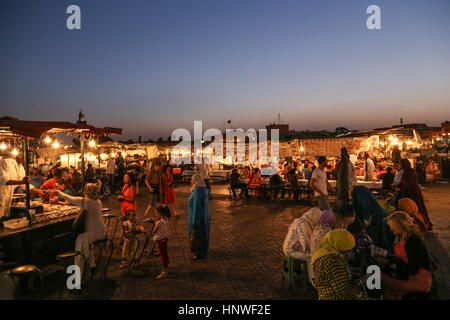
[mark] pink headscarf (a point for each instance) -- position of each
(326, 218)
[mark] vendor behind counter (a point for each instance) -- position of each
(12, 174)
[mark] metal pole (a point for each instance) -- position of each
(82, 158)
(27, 174)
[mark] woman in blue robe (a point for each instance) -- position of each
(370, 213)
(199, 215)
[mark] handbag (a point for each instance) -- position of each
(79, 225)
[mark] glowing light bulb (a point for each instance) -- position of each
(301, 149)
(2, 146)
(92, 143)
(15, 152)
(48, 140)
(55, 144)
(391, 138)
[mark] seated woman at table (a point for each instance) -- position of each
(411, 208)
(360, 257)
(409, 188)
(293, 182)
(297, 243)
(65, 189)
(275, 183)
(372, 216)
(255, 181)
(325, 223)
(95, 229)
(331, 276)
(410, 266)
(245, 173)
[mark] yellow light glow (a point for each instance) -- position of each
(391, 138)
(92, 143)
(409, 142)
(301, 149)
(55, 144)
(103, 156)
(64, 158)
(2, 146)
(113, 155)
(48, 140)
(15, 152)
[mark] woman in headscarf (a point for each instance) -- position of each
(297, 243)
(94, 229)
(410, 264)
(325, 223)
(411, 208)
(198, 214)
(409, 188)
(372, 216)
(331, 276)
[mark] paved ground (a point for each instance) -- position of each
(245, 257)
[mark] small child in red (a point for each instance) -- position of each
(161, 236)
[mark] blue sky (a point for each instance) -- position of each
(152, 66)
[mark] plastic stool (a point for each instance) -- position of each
(295, 270)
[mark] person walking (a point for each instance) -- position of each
(198, 214)
(168, 191)
(320, 184)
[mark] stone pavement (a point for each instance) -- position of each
(245, 255)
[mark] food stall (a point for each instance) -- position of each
(34, 232)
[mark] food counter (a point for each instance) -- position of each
(49, 234)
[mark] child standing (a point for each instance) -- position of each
(131, 227)
(161, 236)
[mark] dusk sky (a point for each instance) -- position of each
(152, 66)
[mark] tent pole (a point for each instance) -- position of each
(27, 174)
(82, 158)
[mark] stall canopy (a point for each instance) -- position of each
(35, 129)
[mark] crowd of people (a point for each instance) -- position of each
(393, 240)
(337, 255)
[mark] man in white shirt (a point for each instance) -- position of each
(12, 174)
(320, 184)
(369, 169)
(110, 171)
